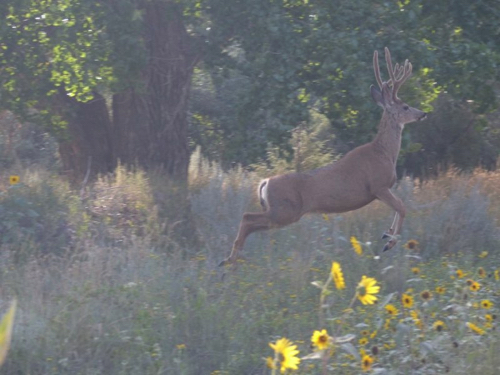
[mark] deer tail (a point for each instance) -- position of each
(263, 194)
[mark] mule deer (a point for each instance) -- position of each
(361, 176)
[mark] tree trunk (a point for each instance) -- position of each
(89, 145)
(150, 123)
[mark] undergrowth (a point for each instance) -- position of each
(106, 285)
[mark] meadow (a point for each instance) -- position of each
(106, 285)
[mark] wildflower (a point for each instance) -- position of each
(387, 324)
(338, 276)
(356, 246)
(363, 341)
(365, 332)
(426, 295)
(490, 317)
(475, 328)
(438, 325)
(474, 286)
(486, 304)
(459, 273)
(366, 290)
(320, 339)
(411, 245)
(181, 346)
(391, 310)
(440, 290)
(407, 300)
(286, 354)
(366, 363)
(483, 254)
(418, 322)
(415, 270)
(13, 180)
(270, 363)
(481, 272)
(497, 275)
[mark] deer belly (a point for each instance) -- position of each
(343, 202)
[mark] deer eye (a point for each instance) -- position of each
(406, 107)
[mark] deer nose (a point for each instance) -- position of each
(423, 117)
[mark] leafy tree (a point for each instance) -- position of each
(117, 74)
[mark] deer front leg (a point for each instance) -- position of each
(251, 222)
(389, 232)
(396, 204)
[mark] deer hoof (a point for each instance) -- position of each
(224, 262)
(389, 245)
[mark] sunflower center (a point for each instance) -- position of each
(322, 339)
(362, 291)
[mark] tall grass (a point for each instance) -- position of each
(104, 286)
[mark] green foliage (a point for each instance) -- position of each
(269, 63)
(311, 149)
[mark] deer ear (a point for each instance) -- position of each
(377, 96)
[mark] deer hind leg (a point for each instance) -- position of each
(251, 222)
(396, 204)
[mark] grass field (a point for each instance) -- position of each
(105, 285)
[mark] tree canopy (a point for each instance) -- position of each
(119, 75)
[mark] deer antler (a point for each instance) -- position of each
(398, 75)
(376, 69)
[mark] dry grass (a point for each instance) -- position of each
(119, 294)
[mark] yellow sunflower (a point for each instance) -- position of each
(415, 270)
(391, 310)
(426, 295)
(320, 339)
(486, 304)
(411, 245)
(338, 276)
(13, 180)
(459, 273)
(439, 325)
(474, 286)
(483, 254)
(356, 246)
(366, 290)
(363, 341)
(285, 354)
(497, 275)
(475, 328)
(489, 318)
(440, 290)
(366, 363)
(407, 300)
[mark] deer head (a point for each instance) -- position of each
(387, 94)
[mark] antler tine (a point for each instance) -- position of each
(407, 69)
(376, 69)
(389, 64)
(399, 74)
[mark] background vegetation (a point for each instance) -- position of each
(132, 184)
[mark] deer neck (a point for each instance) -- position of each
(388, 138)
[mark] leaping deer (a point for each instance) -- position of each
(361, 176)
